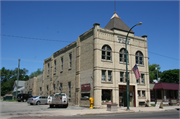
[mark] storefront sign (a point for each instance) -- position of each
(85, 87)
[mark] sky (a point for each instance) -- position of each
(33, 30)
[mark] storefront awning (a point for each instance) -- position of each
(166, 86)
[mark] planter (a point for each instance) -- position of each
(112, 107)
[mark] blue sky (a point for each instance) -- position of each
(34, 22)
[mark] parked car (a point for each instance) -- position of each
(23, 97)
(37, 100)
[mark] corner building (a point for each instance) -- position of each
(95, 65)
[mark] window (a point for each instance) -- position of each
(47, 89)
(106, 96)
(121, 76)
(103, 75)
(61, 87)
(143, 93)
(106, 52)
(69, 84)
(122, 55)
(48, 68)
(128, 77)
(139, 93)
(85, 95)
(61, 63)
(137, 81)
(142, 78)
(109, 76)
(54, 87)
(139, 58)
(106, 76)
(70, 61)
(54, 66)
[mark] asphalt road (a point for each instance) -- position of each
(18, 108)
(140, 115)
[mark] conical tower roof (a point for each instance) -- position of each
(118, 24)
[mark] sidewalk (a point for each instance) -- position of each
(64, 112)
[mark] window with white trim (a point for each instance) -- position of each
(122, 55)
(106, 76)
(106, 52)
(142, 78)
(103, 79)
(139, 58)
(121, 76)
(143, 94)
(109, 76)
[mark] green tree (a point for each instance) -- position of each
(9, 76)
(153, 72)
(170, 76)
(36, 73)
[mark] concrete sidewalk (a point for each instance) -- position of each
(64, 112)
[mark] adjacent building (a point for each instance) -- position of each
(94, 66)
(34, 85)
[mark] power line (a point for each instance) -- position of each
(72, 41)
(34, 38)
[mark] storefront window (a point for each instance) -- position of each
(106, 96)
(85, 95)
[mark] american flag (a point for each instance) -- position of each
(136, 72)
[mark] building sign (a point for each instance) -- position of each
(122, 40)
(85, 87)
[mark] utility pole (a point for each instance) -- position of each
(17, 77)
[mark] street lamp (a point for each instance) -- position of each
(127, 67)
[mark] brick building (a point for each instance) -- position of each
(94, 66)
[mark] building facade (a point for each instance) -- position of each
(95, 64)
(34, 85)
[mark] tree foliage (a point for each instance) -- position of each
(36, 73)
(170, 76)
(8, 78)
(153, 72)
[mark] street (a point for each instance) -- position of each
(14, 110)
(142, 115)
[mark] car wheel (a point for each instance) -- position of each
(38, 103)
(19, 101)
(65, 106)
(24, 100)
(51, 106)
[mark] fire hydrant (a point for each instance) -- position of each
(91, 102)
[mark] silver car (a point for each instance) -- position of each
(37, 100)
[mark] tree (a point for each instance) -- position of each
(170, 76)
(153, 72)
(36, 73)
(8, 78)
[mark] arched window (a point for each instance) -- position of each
(139, 58)
(106, 52)
(122, 55)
